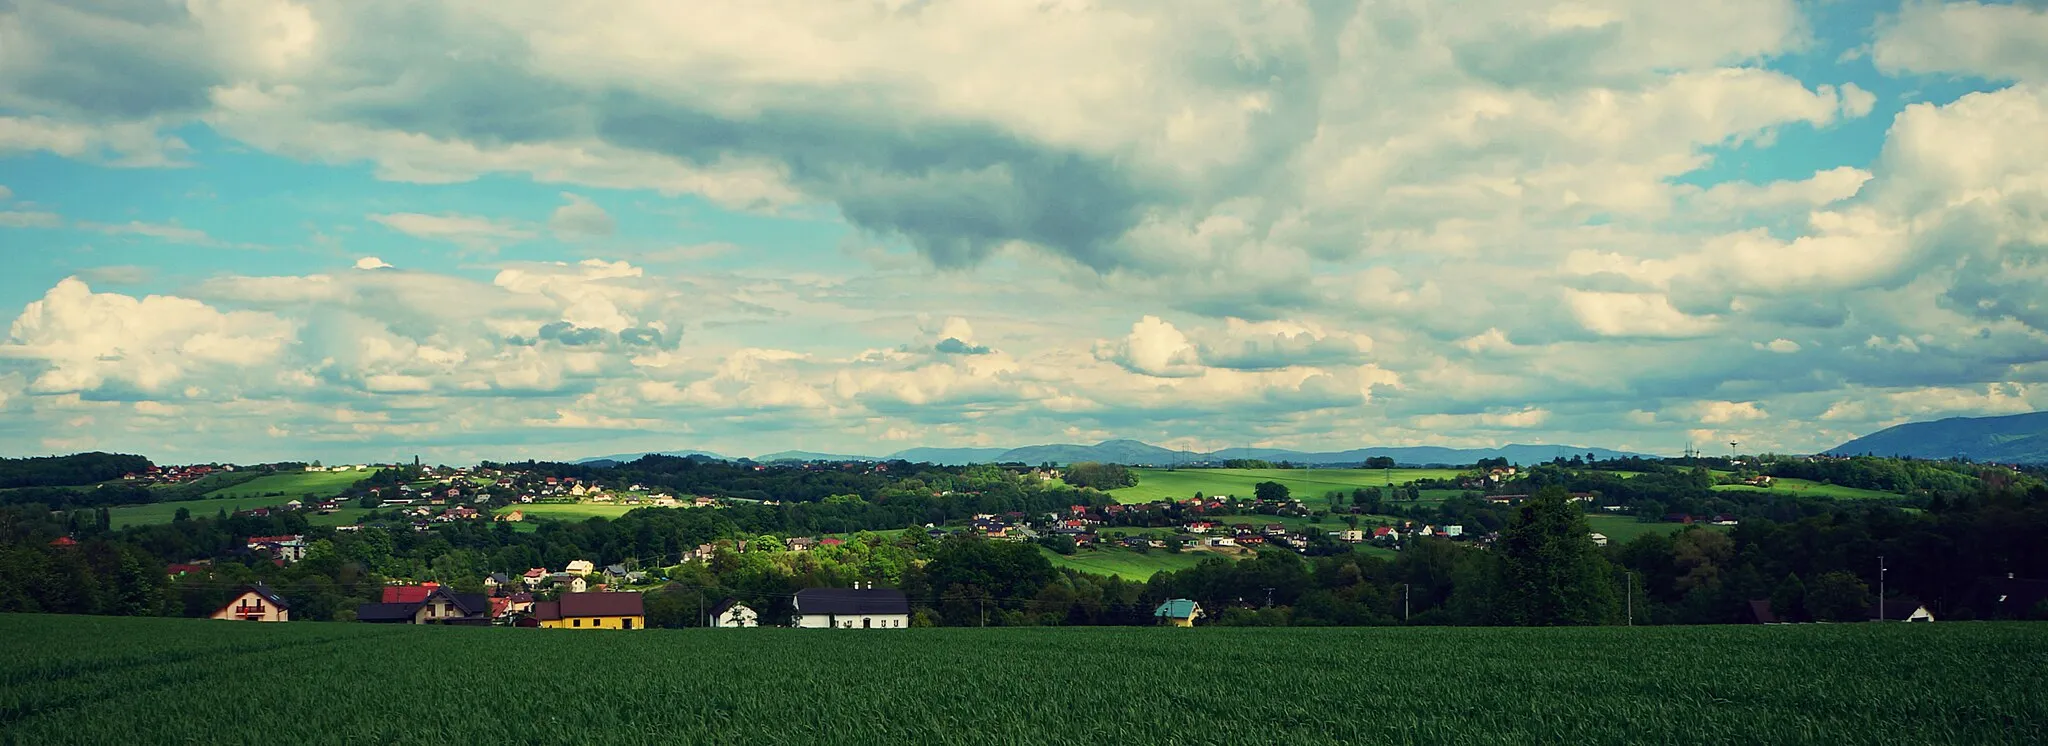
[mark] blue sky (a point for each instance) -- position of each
(268, 229)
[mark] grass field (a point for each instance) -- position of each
(1307, 485)
(189, 681)
(294, 485)
(1810, 489)
(571, 511)
(1131, 565)
(261, 492)
(1619, 529)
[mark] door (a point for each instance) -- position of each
(626, 623)
(865, 623)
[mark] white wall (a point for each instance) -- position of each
(853, 621)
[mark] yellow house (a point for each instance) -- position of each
(592, 611)
(1179, 612)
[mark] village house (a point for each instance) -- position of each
(580, 567)
(800, 543)
(290, 548)
(533, 577)
(592, 611)
(851, 608)
(426, 604)
(1599, 539)
(730, 613)
(256, 603)
(1179, 612)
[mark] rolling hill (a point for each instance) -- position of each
(2011, 439)
(1139, 453)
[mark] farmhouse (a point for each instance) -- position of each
(592, 611)
(580, 567)
(1599, 539)
(1179, 612)
(851, 608)
(731, 613)
(256, 603)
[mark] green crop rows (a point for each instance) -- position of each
(108, 680)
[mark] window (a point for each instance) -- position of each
(575, 622)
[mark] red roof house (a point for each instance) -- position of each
(409, 594)
(63, 541)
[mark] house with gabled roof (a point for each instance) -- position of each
(256, 603)
(860, 607)
(597, 610)
(732, 614)
(438, 605)
(1178, 612)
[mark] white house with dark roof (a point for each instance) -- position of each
(851, 608)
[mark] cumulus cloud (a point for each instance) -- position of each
(1450, 210)
(80, 341)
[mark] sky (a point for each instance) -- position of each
(358, 230)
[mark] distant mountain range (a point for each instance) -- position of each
(2012, 439)
(1139, 453)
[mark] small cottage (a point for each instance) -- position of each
(730, 613)
(1179, 612)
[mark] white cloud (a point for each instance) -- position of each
(461, 229)
(371, 262)
(1781, 346)
(80, 341)
(1994, 41)
(170, 232)
(30, 219)
(1154, 348)
(1635, 315)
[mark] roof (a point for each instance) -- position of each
(266, 593)
(724, 606)
(1178, 608)
(408, 594)
(386, 612)
(851, 601)
(548, 610)
(600, 604)
(63, 541)
(615, 569)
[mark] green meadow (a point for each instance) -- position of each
(1811, 489)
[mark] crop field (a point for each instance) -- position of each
(1811, 489)
(1304, 484)
(189, 681)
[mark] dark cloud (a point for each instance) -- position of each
(122, 60)
(953, 346)
(641, 337)
(572, 335)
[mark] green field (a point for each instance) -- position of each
(1307, 485)
(189, 681)
(1620, 529)
(1129, 564)
(261, 492)
(570, 511)
(1811, 489)
(294, 485)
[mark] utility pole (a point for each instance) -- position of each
(1404, 603)
(1269, 598)
(1880, 588)
(984, 611)
(1629, 590)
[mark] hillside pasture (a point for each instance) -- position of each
(293, 485)
(1811, 489)
(570, 511)
(1621, 529)
(1128, 564)
(1307, 485)
(145, 680)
